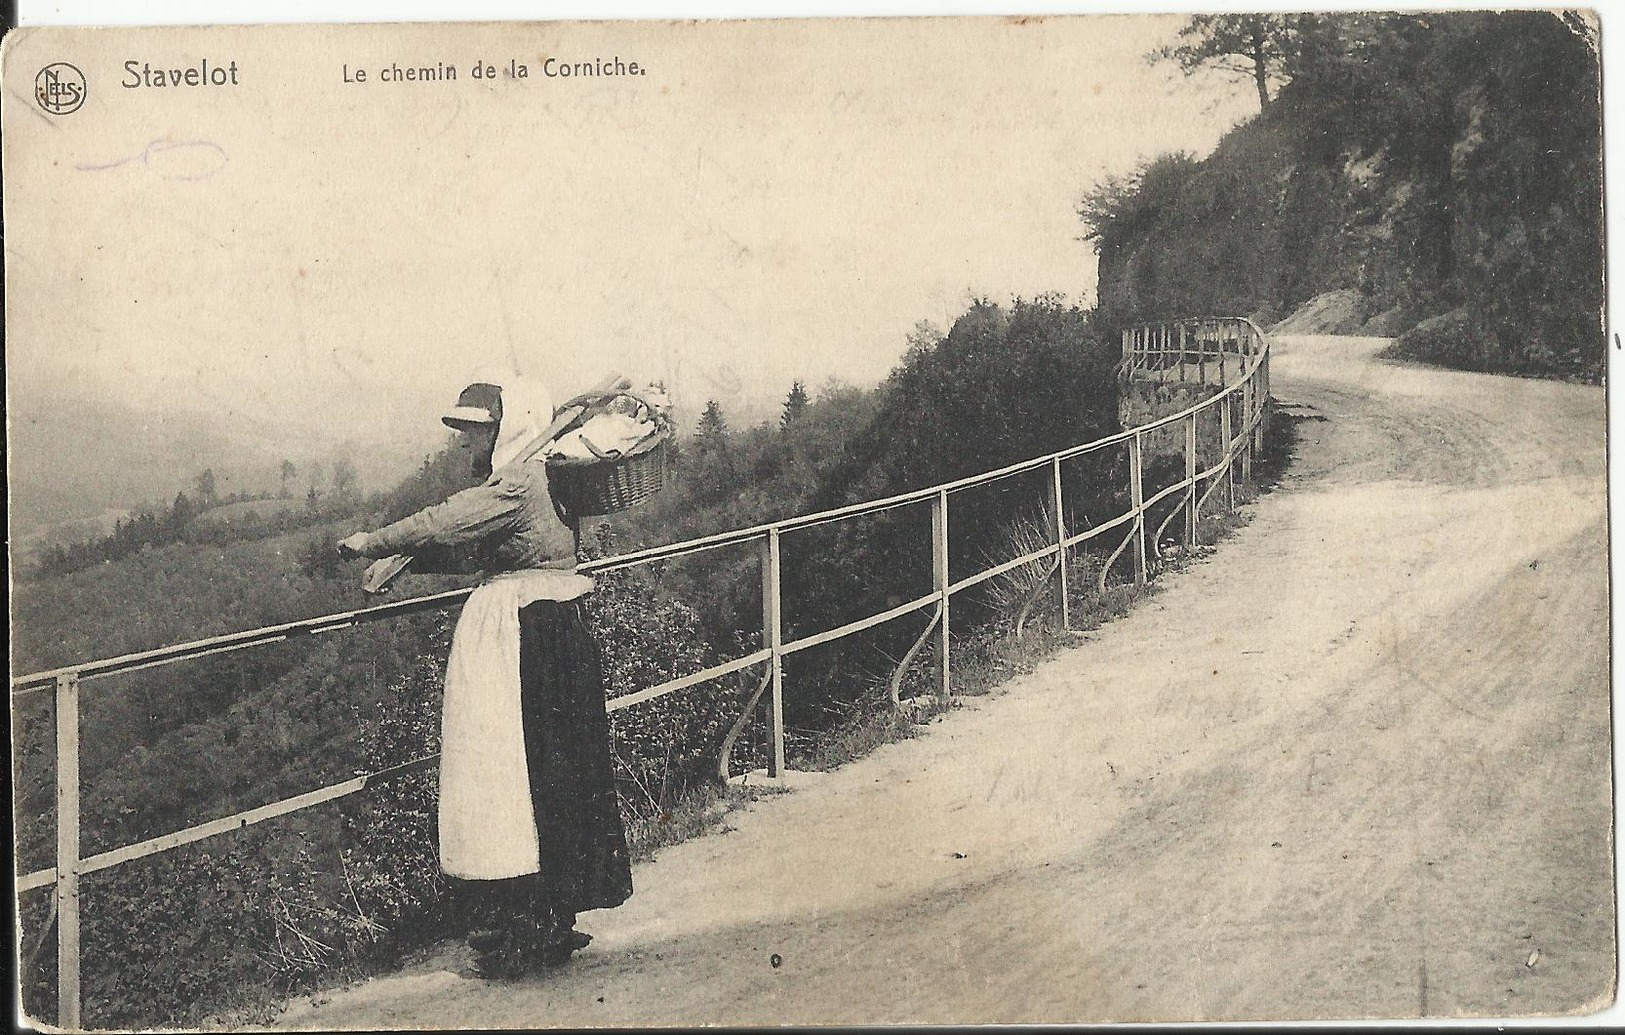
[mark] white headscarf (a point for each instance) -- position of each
(527, 410)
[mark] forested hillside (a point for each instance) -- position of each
(169, 938)
(1441, 172)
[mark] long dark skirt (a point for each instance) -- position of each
(581, 840)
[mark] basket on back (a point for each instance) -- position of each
(586, 479)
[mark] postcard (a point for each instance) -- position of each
(914, 520)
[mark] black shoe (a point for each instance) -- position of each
(498, 965)
(486, 940)
(561, 944)
(574, 939)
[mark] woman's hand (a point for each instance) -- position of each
(351, 545)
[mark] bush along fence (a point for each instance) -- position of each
(1230, 354)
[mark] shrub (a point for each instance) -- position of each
(662, 747)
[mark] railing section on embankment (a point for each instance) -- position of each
(1229, 353)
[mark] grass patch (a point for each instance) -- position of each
(864, 730)
(703, 810)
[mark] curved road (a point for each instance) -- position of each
(1355, 764)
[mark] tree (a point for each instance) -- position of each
(288, 471)
(713, 427)
(1255, 45)
(921, 340)
(206, 492)
(180, 513)
(795, 404)
(344, 477)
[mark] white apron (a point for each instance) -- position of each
(487, 821)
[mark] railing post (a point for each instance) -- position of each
(1201, 352)
(1190, 476)
(1229, 461)
(773, 638)
(1264, 386)
(1136, 491)
(1062, 585)
(1261, 398)
(939, 582)
(1247, 387)
(67, 850)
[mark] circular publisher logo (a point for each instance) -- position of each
(59, 88)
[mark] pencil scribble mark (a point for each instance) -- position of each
(171, 159)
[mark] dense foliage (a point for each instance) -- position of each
(1439, 164)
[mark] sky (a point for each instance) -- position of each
(771, 201)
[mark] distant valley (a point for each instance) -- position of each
(77, 464)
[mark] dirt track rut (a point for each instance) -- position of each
(1354, 764)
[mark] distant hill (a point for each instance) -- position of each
(78, 463)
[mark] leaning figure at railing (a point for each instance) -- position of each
(528, 817)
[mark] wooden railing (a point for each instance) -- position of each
(1230, 353)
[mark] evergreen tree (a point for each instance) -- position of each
(795, 404)
(180, 513)
(713, 428)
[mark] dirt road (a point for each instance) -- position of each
(1354, 764)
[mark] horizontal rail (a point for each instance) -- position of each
(226, 824)
(1164, 493)
(1100, 529)
(671, 686)
(238, 640)
(861, 624)
(999, 569)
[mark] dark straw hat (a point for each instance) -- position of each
(479, 403)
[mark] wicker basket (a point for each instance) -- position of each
(609, 484)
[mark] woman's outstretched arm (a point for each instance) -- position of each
(467, 517)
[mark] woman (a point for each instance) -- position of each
(528, 814)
